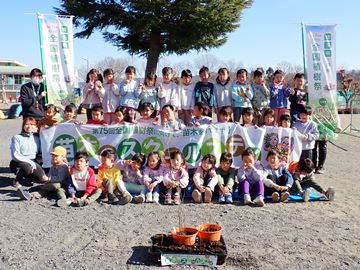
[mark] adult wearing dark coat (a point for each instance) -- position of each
(32, 96)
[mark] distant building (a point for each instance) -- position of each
(13, 74)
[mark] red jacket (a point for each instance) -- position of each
(88, 180)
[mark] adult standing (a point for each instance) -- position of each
(32, 96)
(25, 150)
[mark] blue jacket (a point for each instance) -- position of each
(278, 96)
(242, 95)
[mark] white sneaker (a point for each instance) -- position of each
(259, 200)
(330, 194)
(247, 199)
(196, 195)
(149, 197)
(306, 194)
(285, 196)
(156, 197)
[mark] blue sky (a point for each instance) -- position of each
(269, 33)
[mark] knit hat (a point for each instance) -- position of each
(59, 151)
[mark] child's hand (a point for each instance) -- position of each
(42, 94)
(45, 178)
(197, 124)
(292, 91)
(98, 85)
(225, 190)
(276, 187)
(46, 126)
(129, 162)
(304, 137)
(202, 189)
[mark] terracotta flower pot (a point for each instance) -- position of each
(210, 232)
(184, 236)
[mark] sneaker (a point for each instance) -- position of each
(23, 194)
(149, 197)
(125, 198)
(156, 197)
(207, 196)
(168, 200)
(275, 196)
(16, 184)
(112, 198)
(285, 196)
(306, 194)
(330, 194)
(221, 199)
(259, 200)
(196, 195)
(177, 200)
(247, 199)
(79, 202)
(63, 203)
(228, 198)
(319, 170)
(139, 198)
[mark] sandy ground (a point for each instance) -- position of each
(316, 235)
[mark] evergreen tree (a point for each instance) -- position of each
(154, 27)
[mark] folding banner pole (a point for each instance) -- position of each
(303, 48)
(42, 56)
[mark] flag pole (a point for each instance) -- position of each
(303, 48)
(42, 56)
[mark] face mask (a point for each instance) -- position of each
(36, 80)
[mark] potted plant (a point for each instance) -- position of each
(184, 235)
(210, 232)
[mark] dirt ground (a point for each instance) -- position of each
(314, 235)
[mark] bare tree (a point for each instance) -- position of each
(349, 87)
(117, 64)
(208, 60)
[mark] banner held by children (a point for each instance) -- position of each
(127, 140)
(321, 76)
(58, 56)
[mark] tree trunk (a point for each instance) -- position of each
(154, 52)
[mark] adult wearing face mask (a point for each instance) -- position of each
(32, 96)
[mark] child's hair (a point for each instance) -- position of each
(278, 71)
(306, 110)
(226, 156)
(223, 71)
(71, 108)
(248, 152)
(175, 153)
(150, 76)
(121, 109)
(273, 152)
(203, 107)
(269, 111)
(258, 73)
(226, 110)
(28, 120)
(94, 71)
(306, 165)
(51, 107)
(203, 69)
(139, 158)
(242, 71)
(130, 69)
(209, 158)
(247, 111)
(81, 154)
(154, 153)
(108, 153)
(285, 117)
(35, 72)
(171, 107)
(167, 70)
(186, 73)
(108, 71)
(98, 108)
(146, 105)
(299, 75)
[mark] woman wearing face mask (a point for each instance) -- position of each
(32, 96)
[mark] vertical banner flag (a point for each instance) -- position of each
(58, 57)
(321, 76)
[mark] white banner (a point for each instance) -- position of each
(58, 56)
(321, 76)
(127, 140)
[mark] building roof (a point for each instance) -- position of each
(14, 67)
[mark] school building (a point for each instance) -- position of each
(12, 74)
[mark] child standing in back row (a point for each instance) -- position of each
(168, 90)
(222, 91)
(186, 94)
(149, 93)
(297, 97)
(261, 98)
(204, 90)
(129, 92)
(111, 96)
(279, 93)
(241, 94)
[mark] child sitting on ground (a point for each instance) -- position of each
(133, 176)
(121, 116)
(205, 180)
(97, 114)
(200, 115)
(153, 176)
(59, 180)
(168, 119)
(247, 117)
(279, 180)
(225, 114)
(176, 178)
(109, 178)
(84, 189)
(226, 178)
(250, 177)
(49, 117)
(304, 181)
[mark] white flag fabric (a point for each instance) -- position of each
(321, 76)
(58, 56)
(194, 143)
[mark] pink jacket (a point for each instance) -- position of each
(180, 176)
(150, 175)
(199, 176)
(92, 96)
